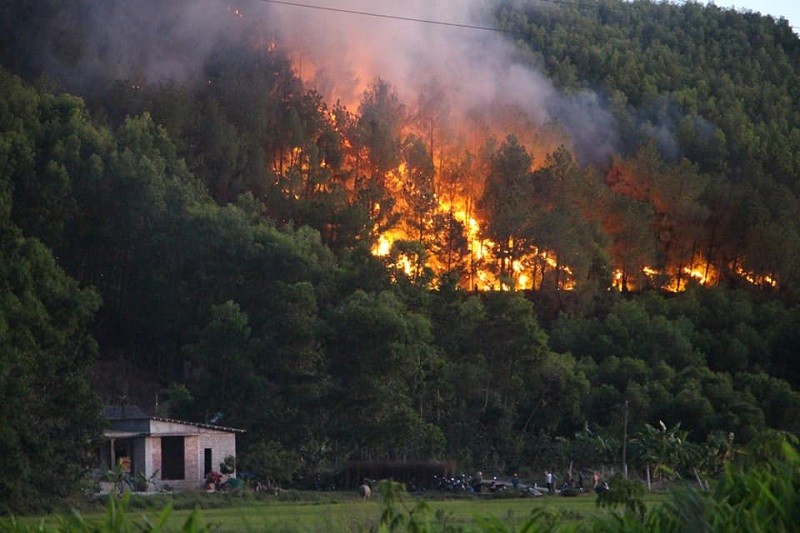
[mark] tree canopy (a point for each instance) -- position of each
(354, 284)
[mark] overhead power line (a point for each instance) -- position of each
(572, 3)
(385, 16)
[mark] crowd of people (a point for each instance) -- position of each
(552, 483)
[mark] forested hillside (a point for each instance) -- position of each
(367, 281)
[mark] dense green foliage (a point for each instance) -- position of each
(232, 255)
(49, 414)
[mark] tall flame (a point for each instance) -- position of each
(467, 132)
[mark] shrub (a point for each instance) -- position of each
(623, 493)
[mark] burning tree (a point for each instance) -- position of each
(506, 204)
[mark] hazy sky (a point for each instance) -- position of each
(788, 9)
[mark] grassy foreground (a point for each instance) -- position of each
(340, 512)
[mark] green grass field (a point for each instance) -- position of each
(343, 512)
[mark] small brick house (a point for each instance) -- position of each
(181, 454)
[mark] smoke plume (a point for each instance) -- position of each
(340, 50)
(480, 72)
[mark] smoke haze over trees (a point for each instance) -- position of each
(300, 222)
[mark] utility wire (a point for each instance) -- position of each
(384, 16)
(428, 21)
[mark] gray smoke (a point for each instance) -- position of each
(480, 73)
(146, 41)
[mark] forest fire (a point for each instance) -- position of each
(478, 259)
(759, 280)
(480, 266)
(419, 151)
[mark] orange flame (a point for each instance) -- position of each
(483, 272)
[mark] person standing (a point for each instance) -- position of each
(549, 478)
(515, 482)
(477, 482)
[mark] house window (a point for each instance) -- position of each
(208, 463)
(172, 458)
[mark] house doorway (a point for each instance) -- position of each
(123, 456)
(172, 458)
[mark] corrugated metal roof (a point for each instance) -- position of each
(133, 412)
(111, 434)
(198, 424)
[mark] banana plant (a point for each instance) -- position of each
(662, 450)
